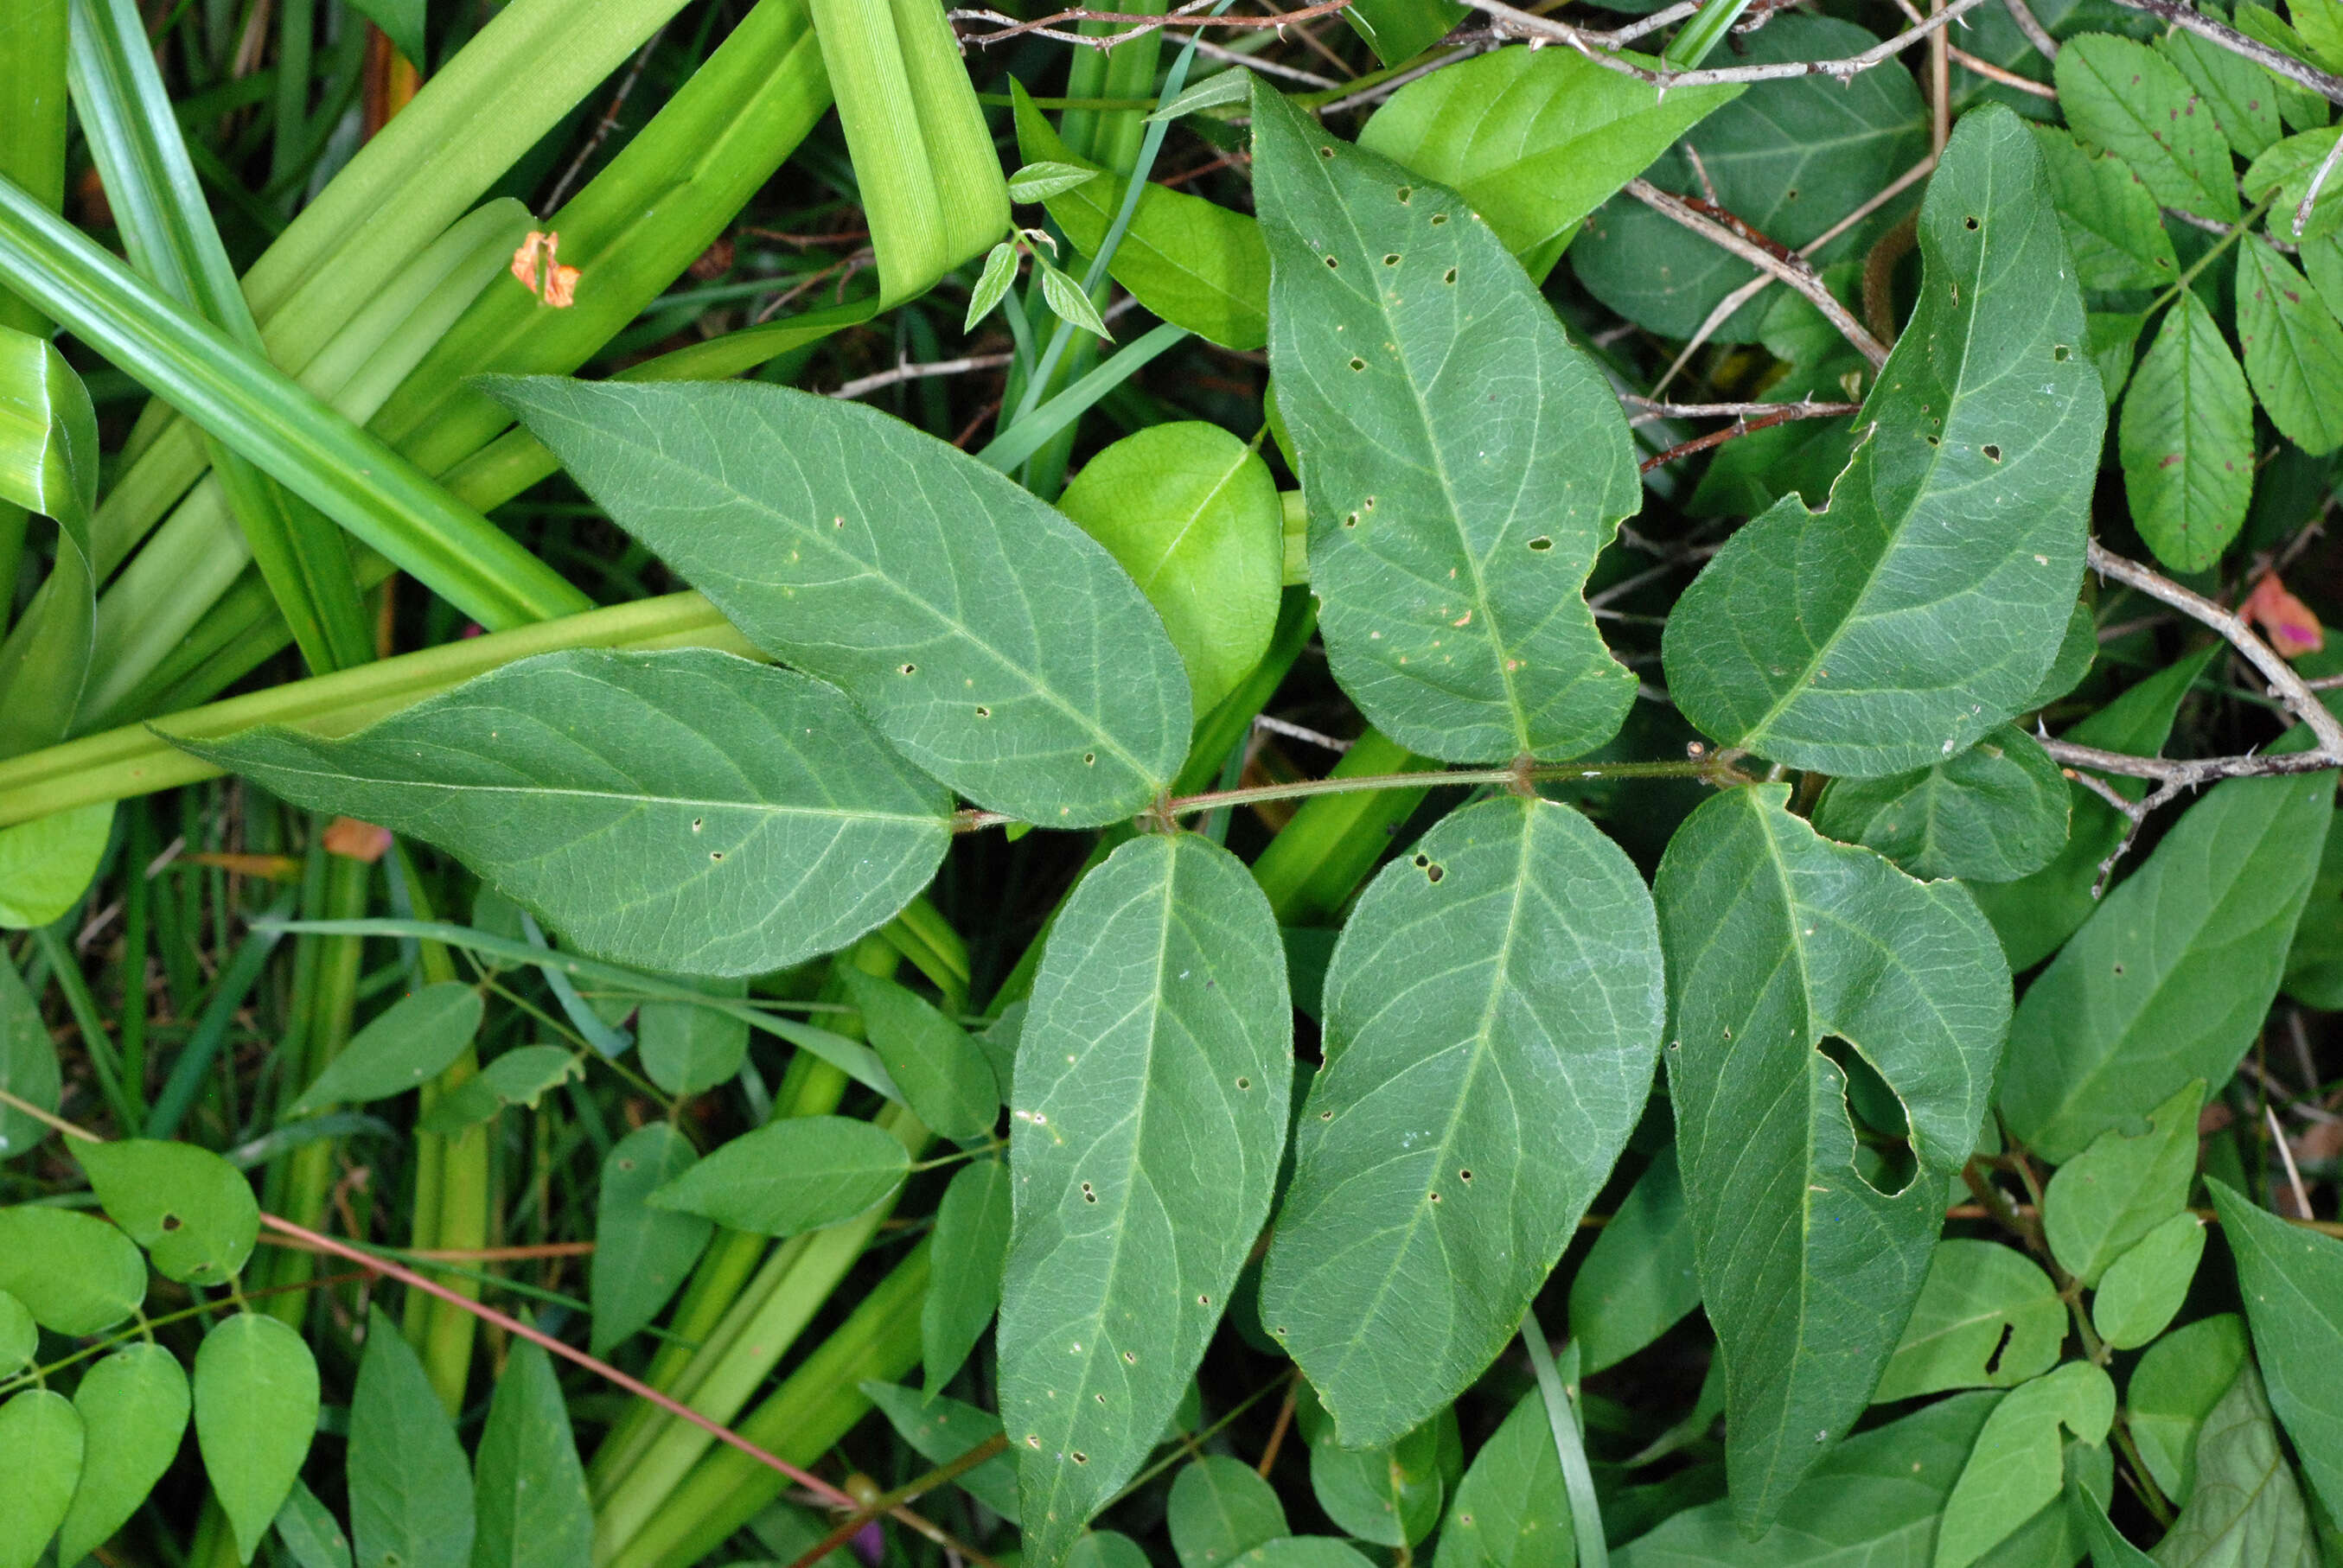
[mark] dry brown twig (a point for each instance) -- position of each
(1787, 266)
(1138, 22)
(1525, 25)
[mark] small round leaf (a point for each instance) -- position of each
(192, 1211)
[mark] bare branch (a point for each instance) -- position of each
(1790, 268)
(1140, 23)
(2181, 15)
(2036, 32)
(1777, 414)
(908, 372)
(1649, 409)
(2187, 773)
(2318, 179)
(1521, 23)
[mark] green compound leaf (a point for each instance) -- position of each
(1154, 1074)
(2143, 1289)
(2129, 100)
(795, 1174)
(684, 811)
(46, 864)
(256, 1392)
(534, 1511)
(2285, 172)
(942, 1074)
(519, 1077)
(41, 1444)
(1778, 940)
(1533, 140)
(1993, 813)
(642, 1254)
(1462, 460)
(2234, 89)
(77, 1274)
(192, 1211)
(2113, 228)
(1925, 604)
(2123, 1186)
(2293, 348)
(2170, 978)
(941, 1429)
(2246, 1510)
(972, 1246)
(1512, 1509)
(134, 1409)
(2179, 1379)
(1493, 1011)
(1220, 1510)
(409, 1043)
(2186, 440)
(28, 1065)
(1986, 1318)
(1639, 1279)
(990, 640)
(410, 1490)
(2015, 1469)
(1192, 513)
(2292, 1281)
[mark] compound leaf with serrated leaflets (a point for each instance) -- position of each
(685, 811)
(1925, 604)
(1462, 461)
(1153, 1073)
(2170, 978)
(2292, 1281)
(1778, 940)
(2293, 347)
(2113, 228)
(255, 1396)
(642, 1254)
(134, 1410)
(2129, 100)
(2186, 440)
(410, 1490)
(1992, 813)
(534, 1511)
(992, 641)
(1493, 1011)
(1988, 1317)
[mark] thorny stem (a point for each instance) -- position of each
(2187, 16)
(1791, 268)
(1524, 25)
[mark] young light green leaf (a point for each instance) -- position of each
(46, 864)
(2293, 348)
(2179, 1379)
(1066, 299)
(2113, 228)
(1533, 140)
(48, 463)
(256, 1397)
(992, 283)
(2016, 1468)
(1492, 1016)
(410, 1490)
(534, 1511)
(2320, 22)
(686, 811)
(2285, 172)
(1992, 813)
(1511, 1511)
(409, 1043)
(1640, 1278)
(41, 1443)
(2233, 88)
(2298, 108)
(2160, 986)
(1041, 181)
(2245, 1509)
(988, 639)
(972, 1244)
(1986, 1318)
(309, 1531)
(1220, 1510)
(1462, 461)
(2111, 337)
(942, 1074)
(2130, 101)
(2033, 915)
(689, 1049)
(20, 1336)
(192, 1211)
(1221, 87)
(1778, 940)
(1195, 263)
(1192, 514)
(28, 1065)
(642, 1254)
(2144, 1289)
(519, 1077)
(1153, 1075)
(942, 1429)
(1923, 604)
(77, 1275)
(134, 1409)
(1390, 1493)
(2122, 1187)
(2292, 1281)
(795, 1174)
(2186, 440)
(1875, 1498)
